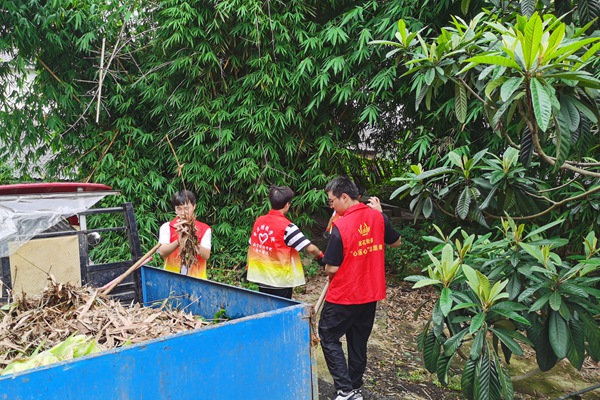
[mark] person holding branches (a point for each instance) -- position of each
(275, 242)
(354, 261)
(185, 241)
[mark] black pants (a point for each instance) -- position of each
(281, 292)
(356, 322)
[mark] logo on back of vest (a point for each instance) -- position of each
(262, 238)
(364, 229)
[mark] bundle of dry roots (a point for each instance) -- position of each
(62, 310)
(188, 244)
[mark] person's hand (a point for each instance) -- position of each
(375, 204)
(320, 261)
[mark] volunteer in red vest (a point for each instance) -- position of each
(184, 203)
(355, 265)
(273, 260)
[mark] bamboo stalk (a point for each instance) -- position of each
(100, 79)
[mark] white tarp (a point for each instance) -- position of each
(24, 216)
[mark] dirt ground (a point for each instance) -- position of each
(395, 369)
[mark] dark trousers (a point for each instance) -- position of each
(281, 292)
(356, 322)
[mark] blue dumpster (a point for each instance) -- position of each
(263, 352)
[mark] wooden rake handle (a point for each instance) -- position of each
(313, 317)
(108, 288)
(321, 297)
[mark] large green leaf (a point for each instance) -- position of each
(443, 367)
(467, 381)
(563, 140)
(528, 7)
(431, 351)
(495, 371)
(482, 378)
(555, 300)
(446, 301)
(494, 60)
(460, 103)
(464, 201)
(506, 338)
(478, 344)
(538, 333)
(558, 334)
(510, 314)
(541, 103)
(504, 379)
(477, 322)
(452, 344)
(592, 336)
(532, 41)
(576, 352)
(526, 147)
(509, 87)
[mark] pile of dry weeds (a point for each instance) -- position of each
(62, 310)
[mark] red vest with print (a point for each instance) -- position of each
(270, 260)
(361, 277)
(173, 261)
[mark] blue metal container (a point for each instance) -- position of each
(264, 352)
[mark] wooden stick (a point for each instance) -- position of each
(321, 297)
(313, 315)
(135, 266)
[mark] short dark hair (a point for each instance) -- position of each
(341, 185)
(183, 197)
(279, 196)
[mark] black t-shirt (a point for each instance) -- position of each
(334, 254)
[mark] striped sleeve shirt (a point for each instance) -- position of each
(294, 237)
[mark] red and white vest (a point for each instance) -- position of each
(270, 260)
(361, 277)
(173, 261)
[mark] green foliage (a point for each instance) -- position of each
(501, 294)
(410, 257)
(529, 85)
(222, 97)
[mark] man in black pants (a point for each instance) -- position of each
(355, 265)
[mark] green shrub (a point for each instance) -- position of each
(410, 256)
